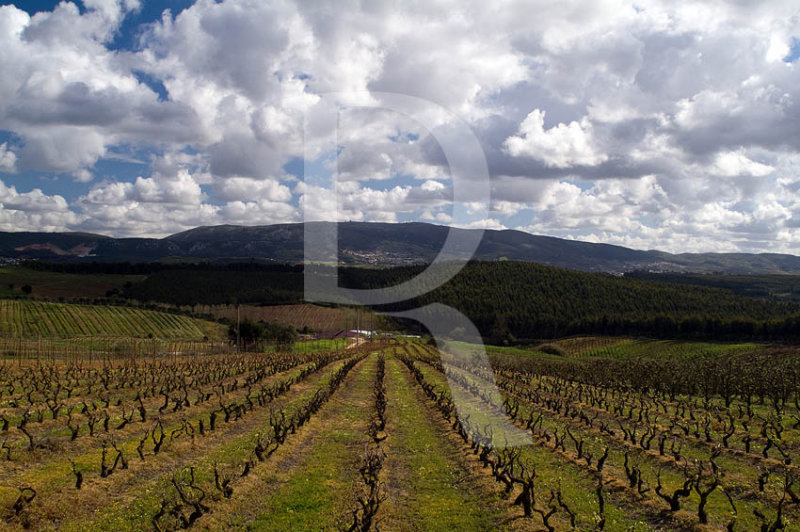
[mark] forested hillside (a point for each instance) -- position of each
(237, 283)
(509, 301)
(774, 286)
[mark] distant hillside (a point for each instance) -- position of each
(31, 319)
(379, 244)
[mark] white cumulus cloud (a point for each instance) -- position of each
(562, 146)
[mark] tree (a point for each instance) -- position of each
(283, 335)
(253, 334)
(250, 332)
(27, 289)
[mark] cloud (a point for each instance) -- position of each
(488, 223)
(181, 190)
(736, 163)
(259, 212)
(61, 149)
(243, 188)
(432, 186)
(34, 211)
(8, 159)
(562, 146)
(148, 206)
(664, 124)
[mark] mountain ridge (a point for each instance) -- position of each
(379, 244)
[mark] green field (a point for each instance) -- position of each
(31, 319)
(312, 346)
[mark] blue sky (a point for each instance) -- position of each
(126, 38)
(128, 32)
(665, 125)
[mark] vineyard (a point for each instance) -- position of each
(628, 348)
(368, 438)
(26, 319)
(314, 317)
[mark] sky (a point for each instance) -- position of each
(654, 125)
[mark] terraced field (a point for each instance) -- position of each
(26, 319)
(393, 436)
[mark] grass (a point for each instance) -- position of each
(432, 480)
(313, 346)
(143, 498)
(595, 443)
(552, 472)
(424, 468)
(740, 475)
(314, 493)
(54, 473)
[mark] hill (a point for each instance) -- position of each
(221, 285)
(30, 319)
(506, 300)
(510, 301)
(379, 244)
(780, 287)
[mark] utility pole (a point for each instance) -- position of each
(358, 325)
